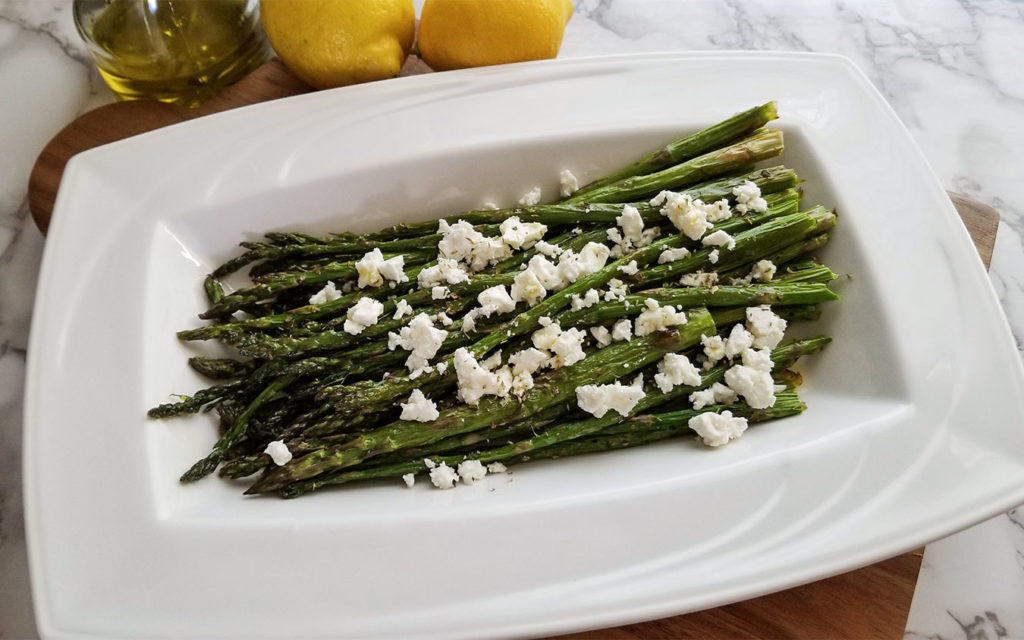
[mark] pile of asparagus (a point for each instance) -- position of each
(333, 397)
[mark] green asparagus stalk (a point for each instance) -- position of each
(701, 142)
(760, 146)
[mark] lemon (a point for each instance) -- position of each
(455, 34)
(331, 43)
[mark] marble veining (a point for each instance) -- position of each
(950, 68)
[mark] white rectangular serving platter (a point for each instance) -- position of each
(912, 430)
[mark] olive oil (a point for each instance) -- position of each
(179, 51)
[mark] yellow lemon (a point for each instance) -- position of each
(455, 34)
(331, 43)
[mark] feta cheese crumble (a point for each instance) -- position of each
(688, 215)
(462, 243)
(717, 429)
(568, 183)
(402, 309)
(748, 198)
(476, 382)
(602, 335)
(717, 393)
(440, 293)
(630, 268)
(472, 471)
(767, 327)
(753, 379)
(364, 313)
(419, 408)
(419, 337)
(719, 239)
(446, 271)
(658, 318)
(713, 256)
(739, 340)
(699, 279)
(676, 369)
(496, 467)
(587, 300)
(714, 349)
(763, 271)
(671, 255)
(443, 476)
(278, 452)
(599, 399)
(531, 197)
(548, 249)
(409, 479)
(622, 330)
(373, 269)
(521, 235)
(327, 294)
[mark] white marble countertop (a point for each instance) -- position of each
(950, 68)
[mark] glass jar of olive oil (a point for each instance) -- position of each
(179, 51)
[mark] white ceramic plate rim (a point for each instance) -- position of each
(633, 592)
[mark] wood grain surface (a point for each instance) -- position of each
(871, 602)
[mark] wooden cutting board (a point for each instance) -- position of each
(872, 602)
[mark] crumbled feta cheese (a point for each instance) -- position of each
(717, 393)
(591, 258)
(550, 250)
(587, 300)
(419, 408)
(492, 362)
(758, 359)
(472, 471)
(739, 341)
(409, 479)
(364, 313)
(402, 309)
(373, 269)
(576, 231)
(598, 400)
(671, 255)
(531, 197)
(568, 183)
(676, 369)
(688, 215)
(278, 452)
(617, 290)
(718, 211)
(719, 239)
(547, 273)
(699, 279)
(463, 243)
(527, 361)
(476, 382)
(716, 429)
(440, 293)
(327, 294)
(526, 287)
(630, 268)
(420, 338)
(446, 271)
(622, 330)
(496, 467)
(430, 464)
(602, 335)
(521, 235)
(495, 299)
(443, 318)
(443, 476)
(714, 349)
(763, 271)
(568, 348)
(658, 318)
(441, 367)
(748, 198)
(756, 386)
(632, 233)
(713, 256)
(767, 327)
